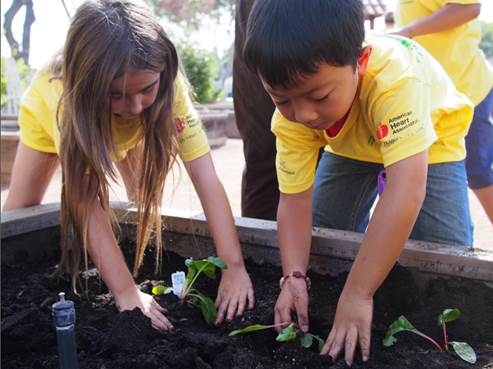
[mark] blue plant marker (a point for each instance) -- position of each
(381, 181)
(63, 313)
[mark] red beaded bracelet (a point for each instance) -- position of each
(296, 274)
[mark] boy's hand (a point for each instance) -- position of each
(352, 325)
(293, 298)
(133, 297)
(235, 290)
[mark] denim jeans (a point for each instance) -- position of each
(479, 145)
(345, 190)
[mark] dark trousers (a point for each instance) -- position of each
(253, 110)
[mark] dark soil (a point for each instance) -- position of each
(109, 340)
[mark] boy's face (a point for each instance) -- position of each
(319, 100)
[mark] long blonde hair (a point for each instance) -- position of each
(106, 38)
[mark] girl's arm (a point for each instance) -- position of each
(108, 258)
(31, 175)
(447, 17)
(235, 288)
(389, 228)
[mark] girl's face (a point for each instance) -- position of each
(133, 92)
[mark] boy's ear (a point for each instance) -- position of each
(363, 60)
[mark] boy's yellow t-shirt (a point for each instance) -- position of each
(39, 129)
(457, 49)
(406, 104)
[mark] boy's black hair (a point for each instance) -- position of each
(287, 39)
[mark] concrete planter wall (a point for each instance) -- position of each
(223, 112)
(9, 142)
(332, 251)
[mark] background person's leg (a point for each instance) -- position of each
(445, 215)
(253, 111)
(344, 192)
(479, 160)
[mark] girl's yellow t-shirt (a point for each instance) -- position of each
(406, 104)
(39, 129)
(457, 49)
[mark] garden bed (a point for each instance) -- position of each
(107, 339)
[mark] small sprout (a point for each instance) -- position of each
(289, 333)
(206, 305)
(448, 315)
(161, 290)
(462, 349)
(306, 340)
(251, 328)
(193, 296)
(195, 267)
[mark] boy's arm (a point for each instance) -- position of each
(235, 288)
(389, 228)
(448, 17)
(294, 221)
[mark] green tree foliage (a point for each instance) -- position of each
(25, 73)
(190, 12)
(3, 88)
(486, 43)
(201, 69)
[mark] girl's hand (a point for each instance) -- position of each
(234, 291)
(352, 325)
(133, 297)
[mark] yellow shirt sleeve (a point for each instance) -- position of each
(191, 137)
(457, 49)
(464, 2)
(36, 116)
(297, 153)
(401, 121)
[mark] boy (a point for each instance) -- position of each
(383, 102)
(436, 25)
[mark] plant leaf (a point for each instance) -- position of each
(190, 271)
(306, 340)
(207, 307)
(161, 290)
(399, 325)
(465, 351)
(287, 334)
(250, 328)
(448, 315)
(321, 342)
(209, 269)
(208, 266)
(218, 262)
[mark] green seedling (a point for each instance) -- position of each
(191, 295)
(462, 349)
(289, 333)
(161, 290)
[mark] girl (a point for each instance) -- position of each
(116, 95)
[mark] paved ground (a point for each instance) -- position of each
(228, 160)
